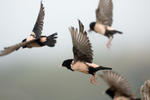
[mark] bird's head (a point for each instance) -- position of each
(92, 25)
(110, 92)
(67, 64)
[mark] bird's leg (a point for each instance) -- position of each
(109, 42)
(93, 78)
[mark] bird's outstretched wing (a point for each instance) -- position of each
(81, 45)
(104, 12)
(117, 82)
(10, 49)
(145, 90)
(38, 27)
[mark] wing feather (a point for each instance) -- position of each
(81, 45)
(117, 82)
(15, 47)
(38, 27)
(145, 90)
(104, 12)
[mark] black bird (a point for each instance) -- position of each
(83, 54)
(104, 20)
(119, 88)
(35, 39)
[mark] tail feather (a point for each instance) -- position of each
(103, 68)
(93, 70)
(110, 33)
(116, 31)
(51, 40)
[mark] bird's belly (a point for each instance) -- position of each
(100, 28)
(80, 67)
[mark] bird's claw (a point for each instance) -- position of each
(93, 80)
(109, 42)
(108, 45)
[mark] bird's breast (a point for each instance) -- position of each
(121, 98)
(100, 28)
(80, 67)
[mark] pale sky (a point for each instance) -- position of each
(36, 74)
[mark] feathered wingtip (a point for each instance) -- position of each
(51, 40)
(41, 1)
(145, 90)
(81, 27)
(5, 51)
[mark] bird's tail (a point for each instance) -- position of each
(93, 70)
(51, 40)
(145, 90)
(110, 33)
(116, 31)
(103, 68)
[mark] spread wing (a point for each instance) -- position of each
(104, 12)
(117, 82)
(145, 90)
(38, 27)
(81, 45)
(15, 47)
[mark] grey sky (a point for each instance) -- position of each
(36, 74)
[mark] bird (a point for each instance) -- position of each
(119, 88)
(104, 14)
(35, 39)
(83, 54)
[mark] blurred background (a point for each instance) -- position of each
(36, 74)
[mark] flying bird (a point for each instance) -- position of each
(104, 14)
(119, 88)
(83, 54)
(35, 39)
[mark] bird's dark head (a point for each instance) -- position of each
(92, 25)
(67, 64)
(110, 92)
(25, 46)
